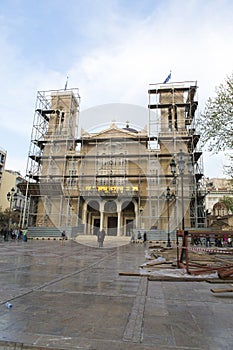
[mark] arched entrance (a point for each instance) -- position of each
(128, 214)
(117, 217)
(93, 217)
(110, 210)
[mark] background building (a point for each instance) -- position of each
(120, 178)
(217, 188)
(218, 215)
(2, 162)
(11, 198)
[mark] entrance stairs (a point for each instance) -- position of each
(42, 232)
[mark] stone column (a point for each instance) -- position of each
(119, 219)
(137, 216)
(119, 223)
(84, 217)
(101, 215)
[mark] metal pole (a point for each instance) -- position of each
(168, 225)
(182, 197)
(10, 196)
(21, 215)
(29, 205)
(181, 167)
(25, 205)
(10, 219)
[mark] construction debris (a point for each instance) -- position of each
(161, 265)
(185, 261)
(226, 272)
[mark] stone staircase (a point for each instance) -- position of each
(53, 233)
(158, 236)
(41, 232)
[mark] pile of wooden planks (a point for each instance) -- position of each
(201, 265)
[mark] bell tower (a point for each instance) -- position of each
(53, 138)
(172, 108)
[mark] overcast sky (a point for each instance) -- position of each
(111, 50)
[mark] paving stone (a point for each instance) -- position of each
(72, 297)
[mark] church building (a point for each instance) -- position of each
(120, 178)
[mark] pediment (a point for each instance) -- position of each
(112, 132)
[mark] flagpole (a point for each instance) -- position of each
(67, 78)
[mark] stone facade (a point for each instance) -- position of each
(114, 179)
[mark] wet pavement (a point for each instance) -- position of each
(72, 297)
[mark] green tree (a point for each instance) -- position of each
(228, 201)
(216, 122)
(5, 216)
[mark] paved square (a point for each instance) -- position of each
(72, 297)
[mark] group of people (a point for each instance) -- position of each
(224, 241)
(14, 234)
(137, 237)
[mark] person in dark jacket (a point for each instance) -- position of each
(100, 238)
(144, 237)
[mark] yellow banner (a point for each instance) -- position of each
(112, 189)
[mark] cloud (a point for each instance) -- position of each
(146, 51)
(111, 50)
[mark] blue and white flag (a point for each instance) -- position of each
(168, 78)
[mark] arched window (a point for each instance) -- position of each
(220, 209)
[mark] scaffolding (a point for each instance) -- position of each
(53, 139)
(115, 178)
(172, 108)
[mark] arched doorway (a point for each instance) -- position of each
(93, 211)
(110, 210)
(128, 213)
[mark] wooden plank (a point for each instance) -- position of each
(224, 273)
(218, 281)
(130, 274)
(163, 278)
(176, 279)
(156, 263)
(226, 261)
(222, 290)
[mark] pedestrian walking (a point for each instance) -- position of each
(144, 237)
(207, 241)
(139, 237)
(101, 237)
(132, 239)
(25, 233)
(63, 237)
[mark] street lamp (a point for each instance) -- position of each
(169, 197)
(173, 167)
(181, 168)
(181, 171)
(11, 197)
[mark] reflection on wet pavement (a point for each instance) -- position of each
(72, 297)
